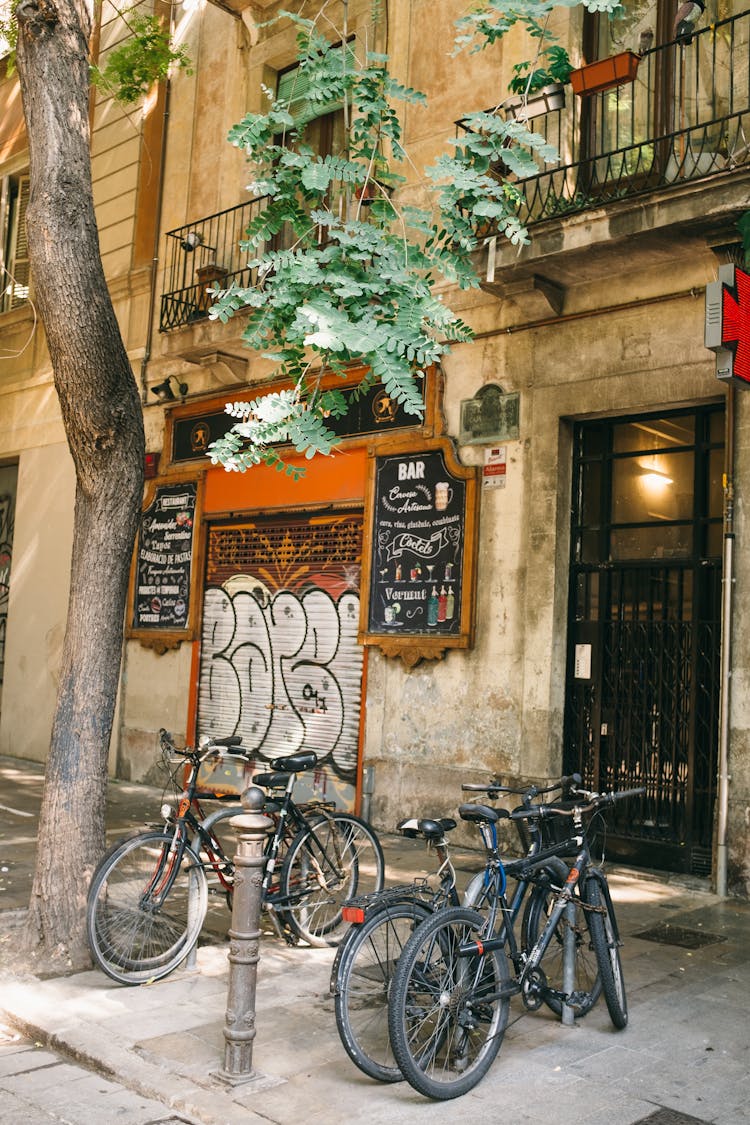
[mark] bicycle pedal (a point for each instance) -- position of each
(577, 1000)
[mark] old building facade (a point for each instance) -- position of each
(592, 464)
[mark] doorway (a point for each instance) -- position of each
(642, 687)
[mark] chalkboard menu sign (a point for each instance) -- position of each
(422, 547)
(164, 564)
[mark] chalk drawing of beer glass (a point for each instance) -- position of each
(443, 495)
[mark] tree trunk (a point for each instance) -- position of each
(103, 422)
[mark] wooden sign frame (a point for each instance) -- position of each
(421, 537)
(149, 555)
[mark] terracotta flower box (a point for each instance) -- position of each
(605, 73)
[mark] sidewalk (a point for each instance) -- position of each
(683, 1060)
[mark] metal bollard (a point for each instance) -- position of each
(244, 938)
(569, 961)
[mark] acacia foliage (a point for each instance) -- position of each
(340, 278)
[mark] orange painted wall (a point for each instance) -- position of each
(327, 480)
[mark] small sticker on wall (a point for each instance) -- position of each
(495, 467)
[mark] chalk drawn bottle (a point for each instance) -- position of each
(450, 605)
(442, 604)
(432, 607)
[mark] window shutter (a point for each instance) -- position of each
(19, 248)
(293, 87)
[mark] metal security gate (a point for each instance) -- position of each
(280, 664)
(642, 692)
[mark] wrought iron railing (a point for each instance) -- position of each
(202, 255)
(685, 117)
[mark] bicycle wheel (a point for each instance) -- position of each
(447, 1014)
(335, 859)
(603, 930)
(362, 975)
(585, 987)
(145, 908)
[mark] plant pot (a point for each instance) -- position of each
(605, 73)
(210, 274)
(546, 100)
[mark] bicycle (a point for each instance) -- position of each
(451, 991)
(382, 923)
(148, 897)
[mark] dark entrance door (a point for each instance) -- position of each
(644, 631)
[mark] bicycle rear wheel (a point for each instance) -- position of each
(145, 907)
(361, 982)
(338, 857)
(586, 985)
(603, 929)
(447, 1013)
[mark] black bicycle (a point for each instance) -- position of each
(148, 897)
(451, 991)
(382, 924)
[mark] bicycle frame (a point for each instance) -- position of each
(526, 963)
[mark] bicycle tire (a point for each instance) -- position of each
(447, 1014)
(132, 940)
(587, 983)
(362, 975)
(335, 859)
(603, 930)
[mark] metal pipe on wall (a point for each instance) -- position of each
(727, 581)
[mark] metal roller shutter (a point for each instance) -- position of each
(280, 664)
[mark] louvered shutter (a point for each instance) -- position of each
(293, 87)
(280, 663)
(18, 265)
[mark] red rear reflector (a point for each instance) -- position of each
(353, 914)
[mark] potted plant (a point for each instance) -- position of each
(605, 73)
(541, 90)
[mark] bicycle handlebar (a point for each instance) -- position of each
(528, 792)
(232, 743)
(593, 801)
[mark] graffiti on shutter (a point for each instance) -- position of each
(280, 664)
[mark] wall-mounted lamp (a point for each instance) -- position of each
(165, 392)
(193, 240)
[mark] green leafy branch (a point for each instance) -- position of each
(145, 57)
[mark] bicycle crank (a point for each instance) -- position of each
(533, 989)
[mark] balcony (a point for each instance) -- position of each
(685, 118)
(200, 256)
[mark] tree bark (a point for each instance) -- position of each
(103, 421)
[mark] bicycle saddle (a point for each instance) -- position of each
(482, 813)
(430, 829)
(296, 763)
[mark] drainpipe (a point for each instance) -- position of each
(726, 628)
(157, 231)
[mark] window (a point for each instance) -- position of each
(323, 122)
(14, 251)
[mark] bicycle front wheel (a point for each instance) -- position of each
(584, 986)
(338, 857)
(365, 963)
(447, 1013)
(145, 909)
(607, 948)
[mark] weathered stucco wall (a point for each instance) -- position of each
(38, 599)
(499, 708)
